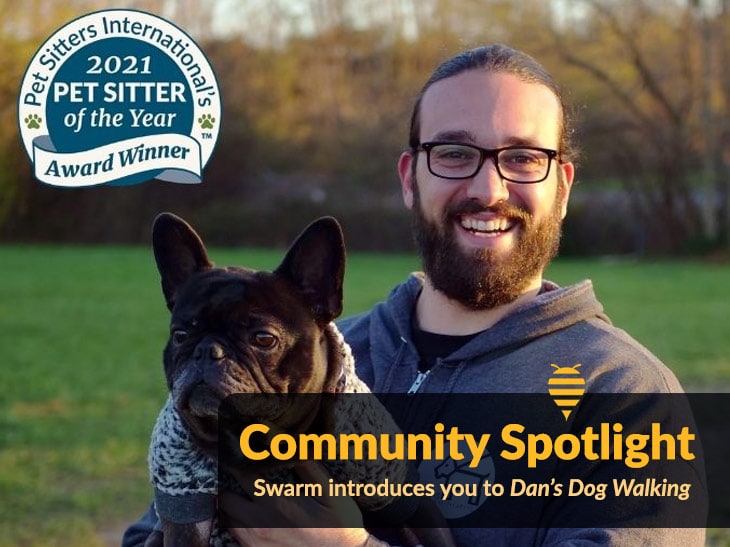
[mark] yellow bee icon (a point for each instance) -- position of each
(565, 389)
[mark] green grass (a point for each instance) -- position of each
(82, 330)
(678, 309)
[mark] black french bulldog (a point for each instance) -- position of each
(235, 330)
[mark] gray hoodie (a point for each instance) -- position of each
(561, 327)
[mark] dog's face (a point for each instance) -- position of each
(236, 330)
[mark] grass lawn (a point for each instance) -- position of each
(82, 330)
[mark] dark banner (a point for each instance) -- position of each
(567, 459)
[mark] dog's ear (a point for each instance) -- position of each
(315, 263)
(179, 253)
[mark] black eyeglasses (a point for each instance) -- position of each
(521, 164)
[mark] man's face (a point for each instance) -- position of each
(485, 241)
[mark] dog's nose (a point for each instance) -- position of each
(209, 349)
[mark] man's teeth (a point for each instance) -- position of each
(492, 225)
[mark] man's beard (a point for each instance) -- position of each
(482, 278)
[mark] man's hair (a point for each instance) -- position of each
(498, 58)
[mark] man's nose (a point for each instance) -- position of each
(487, 185)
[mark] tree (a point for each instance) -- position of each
(659, 95)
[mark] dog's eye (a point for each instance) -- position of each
(264, 340)
(179, 336)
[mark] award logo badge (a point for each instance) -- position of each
(119, 97)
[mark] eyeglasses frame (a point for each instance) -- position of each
(485, 153)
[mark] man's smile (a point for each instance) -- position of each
(487, 227)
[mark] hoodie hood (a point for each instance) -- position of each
(560, 327)
(554, 309)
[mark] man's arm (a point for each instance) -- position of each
(281, 522)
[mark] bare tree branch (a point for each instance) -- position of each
(639, 61)
(604, 78)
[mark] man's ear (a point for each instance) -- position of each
(179, 253)
(565, 184)
(315, 264)
(406, 172)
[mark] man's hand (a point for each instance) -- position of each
(300, 537)
(280, 521)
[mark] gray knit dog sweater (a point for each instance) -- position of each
(185, 480)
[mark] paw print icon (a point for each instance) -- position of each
(206, 121)
(33, 121)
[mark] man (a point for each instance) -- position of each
(487, 177)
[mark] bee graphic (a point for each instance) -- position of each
(566, 387)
